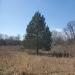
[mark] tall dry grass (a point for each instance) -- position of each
(20, 63)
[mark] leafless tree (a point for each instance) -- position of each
(58, 37)
(70, 30)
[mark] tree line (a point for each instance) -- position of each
(9, 40)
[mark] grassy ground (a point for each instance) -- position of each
(14, 62)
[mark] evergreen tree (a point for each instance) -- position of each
(38, 35)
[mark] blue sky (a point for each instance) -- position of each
(16, 14)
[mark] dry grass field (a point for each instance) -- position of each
(14, 62)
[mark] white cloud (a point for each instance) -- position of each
(59, 30)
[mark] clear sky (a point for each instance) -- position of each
(16, 14)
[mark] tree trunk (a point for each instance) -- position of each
(37, 44)
(37, 51)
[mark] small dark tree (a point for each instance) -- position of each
(38, 35)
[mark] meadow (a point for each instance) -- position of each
(16, 62)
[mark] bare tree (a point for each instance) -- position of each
(70, 30)
(58, 37)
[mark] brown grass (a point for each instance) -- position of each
(20, 63)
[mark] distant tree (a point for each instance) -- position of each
(38, 34)
(58, 38)
(6, 36)
(1, 39)
(70, 30)
(17, 37)
(1, 36)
